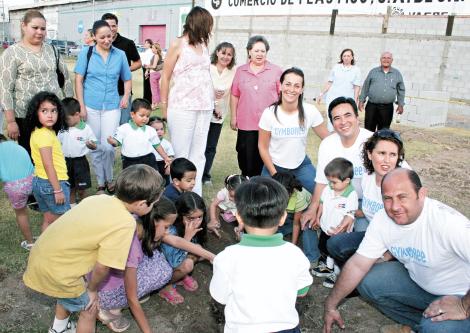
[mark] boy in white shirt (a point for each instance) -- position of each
(138, 141)
(338, 203)
(76, 144)
(260, 278)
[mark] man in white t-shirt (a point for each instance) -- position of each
(347, 143)
(431, 243)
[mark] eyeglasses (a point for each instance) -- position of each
(387, 133)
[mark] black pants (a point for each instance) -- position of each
(161, 170)
(148, 159)
(211, 149)
(322, 240)
(378, 116)
(23, 139)
(147, 90)
(249, 161)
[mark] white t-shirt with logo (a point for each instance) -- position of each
(136, 141)
(371, 196)
(74, 140)
(288, 138)
(435, 249)
(331, 147)
(336, 207)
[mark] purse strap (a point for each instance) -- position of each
(56, 55)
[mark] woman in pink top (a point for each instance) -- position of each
(255, 87)
(189, 103)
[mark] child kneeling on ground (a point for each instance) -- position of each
(260, 278)
(95, 236)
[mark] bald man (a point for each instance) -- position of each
(431, 244)
(383, 85)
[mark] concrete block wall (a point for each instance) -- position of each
(429, 109)
(428, 61)
(461, 26)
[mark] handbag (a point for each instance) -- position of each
(60, 75)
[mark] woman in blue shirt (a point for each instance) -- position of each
(96, 87)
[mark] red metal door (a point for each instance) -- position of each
(157, 33)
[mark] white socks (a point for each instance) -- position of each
(60, 325)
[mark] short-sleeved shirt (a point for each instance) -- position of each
(42, 138)
(115, 277)
(289, 139)
(255, 93)
(371, 196)
(225, 203)
(129, 48)
(299, 201)
(99, 229)
(100, 87)
(167, 147)
(171, 192)
(343, 81)
(331, 147)
(15, 163)
(136, 141)
(434, 248)
(74, 140)
(258, 280)
(336, 207)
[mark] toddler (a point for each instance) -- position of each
(76, 143)
(224, 205)
(160, 126)
(183, 176)
(45, 118)
(338, 203)
(191, 225)
(138, 141)
(16, 171)
(260, 278)
(299, 199)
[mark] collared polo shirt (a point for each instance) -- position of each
(136, 141)
(100, 87)
(255, 92)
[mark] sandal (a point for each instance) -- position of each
(116, 323)
(111, 187)
(170, 295)
(100, 190)
(188, 283)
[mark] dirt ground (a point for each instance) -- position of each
(439, 156)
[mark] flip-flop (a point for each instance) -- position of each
(116, 323)
(188, 283)
(171, 295)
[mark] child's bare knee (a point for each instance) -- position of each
(187, 266)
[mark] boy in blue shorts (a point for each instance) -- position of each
(183, 176)
(260, 278)
(93, 237)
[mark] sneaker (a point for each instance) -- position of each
(70, 328)
(25, 245)
(207, 182)
(330, 281)
(321, 270)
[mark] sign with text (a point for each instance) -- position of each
(319, 7)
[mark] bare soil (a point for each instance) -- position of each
(439, 156)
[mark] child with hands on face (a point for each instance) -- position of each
(138, 141)
(191, 224)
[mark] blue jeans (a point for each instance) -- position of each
(305, 173)
(389, 288)
(341, 247)
(44, 194)
(126, 113)
(309, 239)
(75, 304)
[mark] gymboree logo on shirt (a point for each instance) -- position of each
(216, 4)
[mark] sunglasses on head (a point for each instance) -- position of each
(387, 133)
